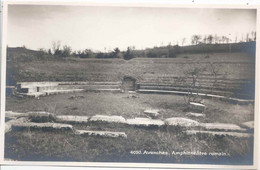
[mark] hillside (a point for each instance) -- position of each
(234, 69)
(172, 51)
(24, 54)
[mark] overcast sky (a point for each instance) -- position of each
(98, 28)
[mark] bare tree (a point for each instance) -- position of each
(223, 38)
(191, 81)
(210, 39)
(242, 38)
(55, 46)
(214, 72)
(216, 39)
(183, 41)
(66, 51)
(228, 39)
(253, 34)
(205, 39)
(194, 82)
(247, 37)
(195, 39)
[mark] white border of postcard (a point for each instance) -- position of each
(114, 164)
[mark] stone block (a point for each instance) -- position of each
(9, 124)
(214, 133)
(42, 126)
(197, 107)
(145, 122)
(152, 113)
(182, 122)
(107, 119)
(196, 114)
(11, 114)
(221, 127)
(72, 119)
(41, 116)
(248, 125)
(101, 133)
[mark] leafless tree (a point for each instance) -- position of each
(216, 39)
(55, 46)
(191, 81)
(205, 39)
(210, 39)
(195, 39)
(66, 51)
(183, 41)
(253, 34)
(247, 37)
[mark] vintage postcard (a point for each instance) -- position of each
(129, 85)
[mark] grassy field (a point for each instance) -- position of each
(53, 146)
(91, 103)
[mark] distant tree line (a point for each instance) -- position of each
(66, 51)
(215, 39)
(170, 51)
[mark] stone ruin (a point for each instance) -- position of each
(128, 84)
(131, 86)
(22, 121)
(37, 89)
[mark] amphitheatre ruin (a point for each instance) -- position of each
(198, 97)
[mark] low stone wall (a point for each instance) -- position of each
(236, 88)
(45, 88)
(228, 89)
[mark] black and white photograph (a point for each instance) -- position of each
(130, 84)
